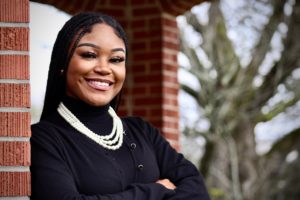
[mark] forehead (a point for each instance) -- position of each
(103, 34)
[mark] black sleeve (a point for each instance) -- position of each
(53, 180)
(173, 166)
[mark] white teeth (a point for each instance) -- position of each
(98, 83)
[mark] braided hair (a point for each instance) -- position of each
(66, 42)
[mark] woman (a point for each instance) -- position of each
(81, 149)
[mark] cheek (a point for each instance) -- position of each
(69, 81)
(79, 66)
(76, 69)
(119, 72)
(72, 76)
(122, 73)
(122, 77)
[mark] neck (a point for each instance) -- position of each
(111, 141)
(81, 108)
(96, 118)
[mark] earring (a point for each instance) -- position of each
(61, 72)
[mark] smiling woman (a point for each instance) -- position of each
(97, 68)
(81, 148)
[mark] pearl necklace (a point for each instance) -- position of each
(113, 141)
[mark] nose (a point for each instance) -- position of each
(102, 66)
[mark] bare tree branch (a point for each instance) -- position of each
(263, 46)
(289, 61)
(279, 108)
(191, 19)
(190, 91)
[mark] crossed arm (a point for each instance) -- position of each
(179, 178)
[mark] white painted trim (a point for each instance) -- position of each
(14, 139)
(13, 109)
(11, 52)
(14, 198)
(7, 24)
(14, 169)
(15, 81)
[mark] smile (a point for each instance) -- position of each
(99, 84)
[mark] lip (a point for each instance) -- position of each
(99, 84)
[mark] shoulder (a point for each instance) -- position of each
(139, 127)
(138, 123)
(132, 120)
(46, 130)
(41, 127)
(44, 125)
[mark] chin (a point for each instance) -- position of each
(96, 103)
(97, 99)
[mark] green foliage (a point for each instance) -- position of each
(217, 193)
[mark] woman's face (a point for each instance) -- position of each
(96, 72)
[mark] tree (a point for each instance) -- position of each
(233, 102)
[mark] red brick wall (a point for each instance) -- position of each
(152, 85)
(14, 99)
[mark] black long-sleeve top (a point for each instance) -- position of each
(67, 165)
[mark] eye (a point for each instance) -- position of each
(88, 55)
(117, 59)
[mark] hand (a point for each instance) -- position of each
(167, 183)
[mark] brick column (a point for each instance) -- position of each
(152, 86)
(170, 85)
(14, 100)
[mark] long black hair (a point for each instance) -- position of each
(67, 40)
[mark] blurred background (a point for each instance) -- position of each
(239, 99)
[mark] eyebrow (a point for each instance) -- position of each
(98, 47)
(88, 44)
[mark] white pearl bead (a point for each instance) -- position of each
(112, 141)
